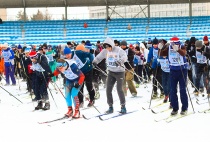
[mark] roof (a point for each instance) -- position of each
(74, 3)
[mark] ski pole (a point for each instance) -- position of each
(11, 94)
(60, 90)
(49, 90)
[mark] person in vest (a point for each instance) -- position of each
(84, 60)
(164, 63)
(156, 69)
(50, 54)
(42, 70)
(74, 80)
(139, 58)
(115, 58)
(27, 68)
(176, 53)
(8, 56)
(1, 63)
(129, 69)
(191, 50)
(206, 53)
(201, 64)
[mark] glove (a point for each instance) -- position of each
(160, 46)
(50, 74)
(76, 85)
(175, 47)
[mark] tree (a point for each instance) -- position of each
(47, 15)
(20, 16)
(38, 16)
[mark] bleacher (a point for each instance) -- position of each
(58, 32)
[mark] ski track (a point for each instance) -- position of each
(18, 122)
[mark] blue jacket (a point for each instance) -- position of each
(86, 59)
(151, 56)
(8, 60)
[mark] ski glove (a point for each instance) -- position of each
(76, 85)
(50, 74)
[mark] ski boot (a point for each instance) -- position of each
(110, 110)
(165, 99)
(81, 105)
(91, 103)
(201, 90)
(76, 114)
(195, 92)
(123, 110)
(70, 112)
(162, 94)
(46, 106)
(97, 95)
(183, 112)
(39, 106)
(154, 95)
(174, 112)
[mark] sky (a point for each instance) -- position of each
(73, 12)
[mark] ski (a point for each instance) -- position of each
(115, 116)
(158, 105)
(161, 111)
(176, 117)
(50, 121)
(87, 118)
(201, 103)
(204, 111)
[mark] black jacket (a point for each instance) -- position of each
(130, 53)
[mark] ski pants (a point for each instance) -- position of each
(166, 82)
(9, 71)
(71, 93)
(41, 84)
(111, 79)
(89, 85)
(178, 76)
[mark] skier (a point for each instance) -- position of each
(8, 56)
(42, 71)
(156, 69)
(165, 70)
(84, 60)
(115, 58)
(74, 81)
(129, 65)
(176, 53)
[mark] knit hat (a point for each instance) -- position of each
(19, 46)
(175, 40)
(155, 41)
(123, 43)
(192, 40)
(67, 51)
(33, 54)
(198, 43)
(88, 44)
(80, 47)
(205, 38)
(137, 43)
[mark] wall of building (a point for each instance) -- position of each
(3, 14)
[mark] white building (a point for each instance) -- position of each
(161, 10)
(3, 14)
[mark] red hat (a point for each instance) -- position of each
(205, 38)
(175, 40)
(32, 54)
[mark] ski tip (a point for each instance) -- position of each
(153, 111)
(100, 118)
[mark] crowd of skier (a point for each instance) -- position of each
(166, 63)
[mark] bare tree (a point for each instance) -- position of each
(38, 16)
(20, 16)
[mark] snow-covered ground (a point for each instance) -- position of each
(18, 122)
